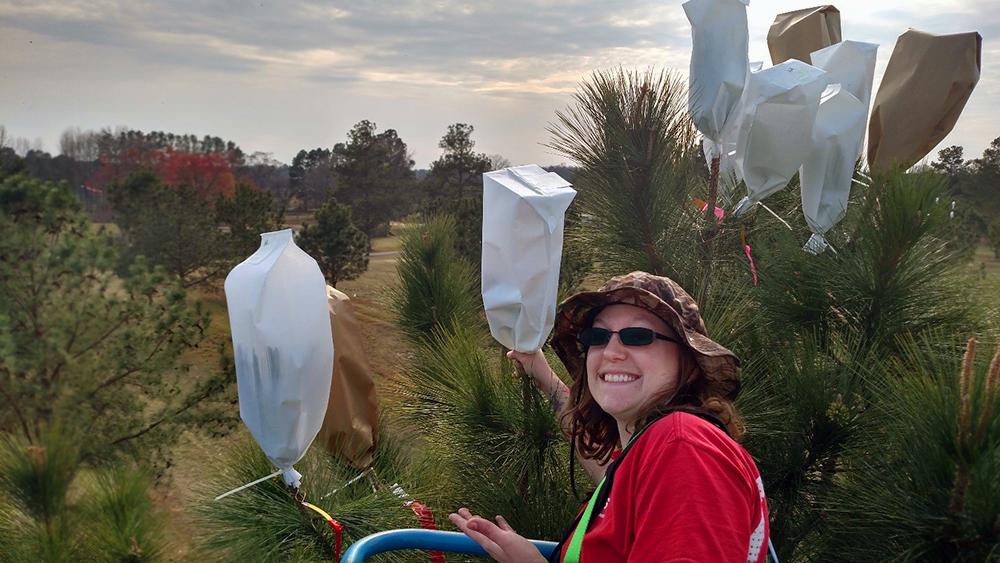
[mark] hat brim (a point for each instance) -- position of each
(719, 365)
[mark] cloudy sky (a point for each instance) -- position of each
(280, 76)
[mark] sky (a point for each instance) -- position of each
(278, 77)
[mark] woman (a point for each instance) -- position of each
(651, 411)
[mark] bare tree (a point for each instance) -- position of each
(79, 145)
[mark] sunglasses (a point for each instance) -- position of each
(631, 336)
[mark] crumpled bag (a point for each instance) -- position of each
(796, 34)
(774, 134)
(283, 348)
(926, 84)
(718, 62)
(350, 427)
(828, 171)
(850, 64)
(523, 218)
(725, 149)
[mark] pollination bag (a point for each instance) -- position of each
(283, 347)
(850, 64)
(350, 428)
(718, 62)
(524, 211)
(828, 170)
(725, 148)
(775, 125)
(796, 34)
(926, 84)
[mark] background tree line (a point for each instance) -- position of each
(974, 185)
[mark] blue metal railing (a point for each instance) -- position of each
(432, 540)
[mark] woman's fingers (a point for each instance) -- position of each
(474, 528)
(502, 522)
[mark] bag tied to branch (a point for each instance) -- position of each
(283, 348)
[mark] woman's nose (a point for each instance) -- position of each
(614, 349)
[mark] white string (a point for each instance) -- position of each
(348, 484)
(775, 215)
(248, 485)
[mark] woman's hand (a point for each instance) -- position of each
(499, 540)
(533, 364)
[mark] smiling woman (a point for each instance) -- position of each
(647, 382)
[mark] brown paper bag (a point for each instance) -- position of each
(794, 35)
(351, 422)
(925, 86)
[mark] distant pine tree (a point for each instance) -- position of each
(340, 248)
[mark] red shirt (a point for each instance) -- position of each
(684, 492)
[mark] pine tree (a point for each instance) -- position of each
(109, 516)
(265, 522)
(84, 347)
(489, 442)
(339, 247)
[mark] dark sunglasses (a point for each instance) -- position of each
(631, 336)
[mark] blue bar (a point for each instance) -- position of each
(433, 540)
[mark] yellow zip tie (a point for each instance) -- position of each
(318, 510)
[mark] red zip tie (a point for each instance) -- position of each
(426, 519)
(338, 533)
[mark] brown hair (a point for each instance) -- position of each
(595, 432)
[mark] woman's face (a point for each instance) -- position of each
(622, 378)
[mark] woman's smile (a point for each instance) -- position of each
(622, 379)
(619, 377)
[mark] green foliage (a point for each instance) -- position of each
(37, 477)
(894, 270)
(436, 286)
(123, 523)
(263, 523)
(108, 517)
(489, 440)
(459, 167)
(311, 177)
(84, 348)
(454, 187)
(922, 481)
(993, 235)
(494, 443)
(171, 226)
(246, 215)
(374, 177)
(339, 247)
(971, 184)
(630, 134)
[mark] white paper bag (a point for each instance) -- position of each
(725, 149)
(774, 132)
(718, 61)
(851, 64)
(523, 216)
(283, 348)
(827, 172)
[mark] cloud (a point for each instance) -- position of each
(401, 62)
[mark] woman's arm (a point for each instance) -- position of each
(535, 365)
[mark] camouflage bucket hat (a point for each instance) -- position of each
(664, 298)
